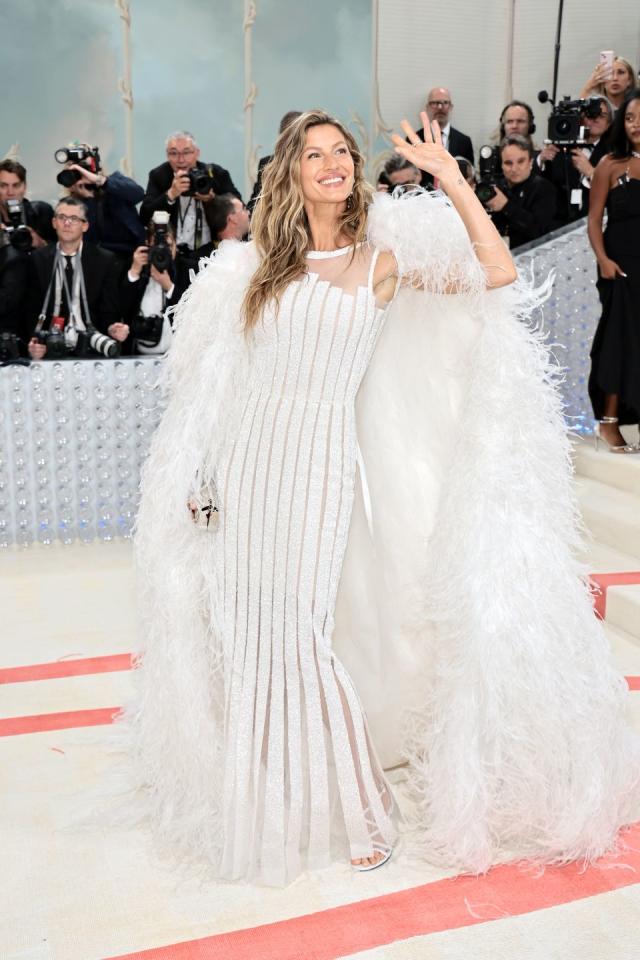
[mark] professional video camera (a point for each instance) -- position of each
(565, 127)
(18, 232)
(160, 251)
(488, 169)
(199, 182)
(84, 156)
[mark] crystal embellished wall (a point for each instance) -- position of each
(570, 315)
(73, 437)
(74, 434)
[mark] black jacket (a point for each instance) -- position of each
(13, 287)
(131, 293)
(257, 187)
(99, 270)
(114, 222)
(161, 178)
(529, 211)
(565, 178)
(459, 145)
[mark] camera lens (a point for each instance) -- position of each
(563, 127)
(61, 156)
(67, 178)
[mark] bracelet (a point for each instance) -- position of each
(170, 201)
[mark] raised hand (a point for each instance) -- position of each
(428, 155)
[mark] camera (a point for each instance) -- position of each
(84, 156)
(565, 120)
(18, 232)
(148, 329)
(160, 251)
(59, 345)
(488, 169)
(199, 182)
(9, 347)
(55, 342)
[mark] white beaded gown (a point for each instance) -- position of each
(393, 577)
(294, 720)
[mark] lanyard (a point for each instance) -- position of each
(79, 291)
(197, 235)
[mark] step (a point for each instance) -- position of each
(623, 610)
(612, 515)
(614, 469)
(625, 650)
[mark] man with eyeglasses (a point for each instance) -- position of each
(72, 285)
(438, 107)
(181, 186)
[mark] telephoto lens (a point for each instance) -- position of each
(103, 344)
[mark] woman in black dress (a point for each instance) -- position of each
(614, 384)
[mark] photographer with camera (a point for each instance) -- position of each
(28, 221)
(570, 168)
(72, 301)
(522, 204)
(114, 222)
(180, 187)
(155, 281)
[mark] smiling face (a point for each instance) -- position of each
(516, 164)
(632, 123)
(326, 166)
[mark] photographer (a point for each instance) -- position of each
(72, 302)
(571, 169)
(523, 203)
(179, 187)
(114, 222)
(13, 284)
(155, 281)
(517, 119)
(35, 214)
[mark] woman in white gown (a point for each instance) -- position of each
(328, 575)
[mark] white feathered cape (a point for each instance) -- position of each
(462, 617)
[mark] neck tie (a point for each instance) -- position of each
(68, 274)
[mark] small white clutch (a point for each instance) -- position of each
(203, 507)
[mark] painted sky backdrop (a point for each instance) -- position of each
(62, 58)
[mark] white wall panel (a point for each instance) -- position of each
(465, 47)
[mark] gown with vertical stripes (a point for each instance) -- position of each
(296, 738)
(411, 583)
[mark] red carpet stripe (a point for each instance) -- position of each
(444, 905)
(66, 668)
(37, 723)
(13, 726)
(600, 582)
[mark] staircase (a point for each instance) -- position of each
(609, 496)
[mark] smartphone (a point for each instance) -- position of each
(606, 60)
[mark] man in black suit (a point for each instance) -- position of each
(73, 284)
(523, 203)
(169, 189)
(438, 107)
(36, 214)
(570, 172)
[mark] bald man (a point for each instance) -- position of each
(438, 107)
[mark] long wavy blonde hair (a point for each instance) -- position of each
(279, 225)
